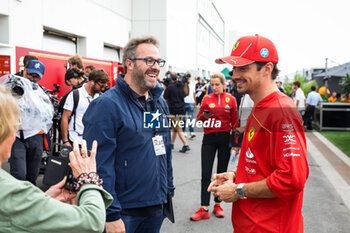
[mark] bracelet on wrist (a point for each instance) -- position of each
(84, 178)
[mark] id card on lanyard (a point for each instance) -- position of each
(158, 144)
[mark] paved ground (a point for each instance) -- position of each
(326, 200)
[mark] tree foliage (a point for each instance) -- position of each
(304, 84)
(345, 83)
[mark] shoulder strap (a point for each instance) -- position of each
(75, 102)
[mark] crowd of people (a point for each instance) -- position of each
(124, 183)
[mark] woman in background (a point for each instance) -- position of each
(220, 109)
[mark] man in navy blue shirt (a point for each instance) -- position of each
(134, 161)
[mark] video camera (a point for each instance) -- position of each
(16, 85)
(183, 77)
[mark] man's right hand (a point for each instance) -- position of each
(115, 227)
(221, 178)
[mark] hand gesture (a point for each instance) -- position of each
(81, 162)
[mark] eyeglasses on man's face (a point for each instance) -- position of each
(102, 85)
(151, 61)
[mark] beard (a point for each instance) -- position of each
(139, 79)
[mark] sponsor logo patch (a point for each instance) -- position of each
(289, 139)
(287, 128)
(264, 52)
(227, 100)
(291, 154)
(249, 153)
(250, 171)
(212, 105)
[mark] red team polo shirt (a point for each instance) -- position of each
(224, 109)
(274, 147)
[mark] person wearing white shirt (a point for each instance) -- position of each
(299, 98)
(72, 130)
(313, 98)
(190, 103)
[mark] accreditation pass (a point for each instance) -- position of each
(158, 145)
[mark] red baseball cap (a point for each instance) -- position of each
(249, 49)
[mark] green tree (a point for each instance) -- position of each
(345, 83)
(304, 84)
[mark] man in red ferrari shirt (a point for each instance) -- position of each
(267, 187)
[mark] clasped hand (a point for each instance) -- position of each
(224, 187)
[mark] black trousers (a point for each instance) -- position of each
(308, 116)
(211, 143)
(26, 157)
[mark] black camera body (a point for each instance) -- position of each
(16, 85)
(183, 77)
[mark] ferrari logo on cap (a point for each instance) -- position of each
(227, 100)
(251, 133)
(235, 46)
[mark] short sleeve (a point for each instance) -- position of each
(68, 105)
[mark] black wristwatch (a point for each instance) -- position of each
(240, 191)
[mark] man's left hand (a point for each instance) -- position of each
(59, 193)
(226, 192)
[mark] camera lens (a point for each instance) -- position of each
(64, 152)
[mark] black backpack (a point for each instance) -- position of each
(61, 105)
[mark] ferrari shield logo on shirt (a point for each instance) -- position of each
(251, 133)
(227, 100)
(212, 105)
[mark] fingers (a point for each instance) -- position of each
(61, 183)
(211, 186)
(93, 150)
(84, 150)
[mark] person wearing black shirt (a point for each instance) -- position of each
(174, 95)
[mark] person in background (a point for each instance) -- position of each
(133, 160)
(299, 98)
(190, 105)
(218, 107)
(313, 98)
(333, 97)
(27, 58)
(267, 187)
(72, 129)
(27, 150)
(76, 61)
(280, 87)
(174, 95)
(25, 208)
(88, 69)
(346, 98)
(75, 78)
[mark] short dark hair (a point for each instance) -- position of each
(274, 72)
(72, 73)
(296, 83)
(99, 75)
(27, 58)
(90, 67)
(173, 76)
(313, 88)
